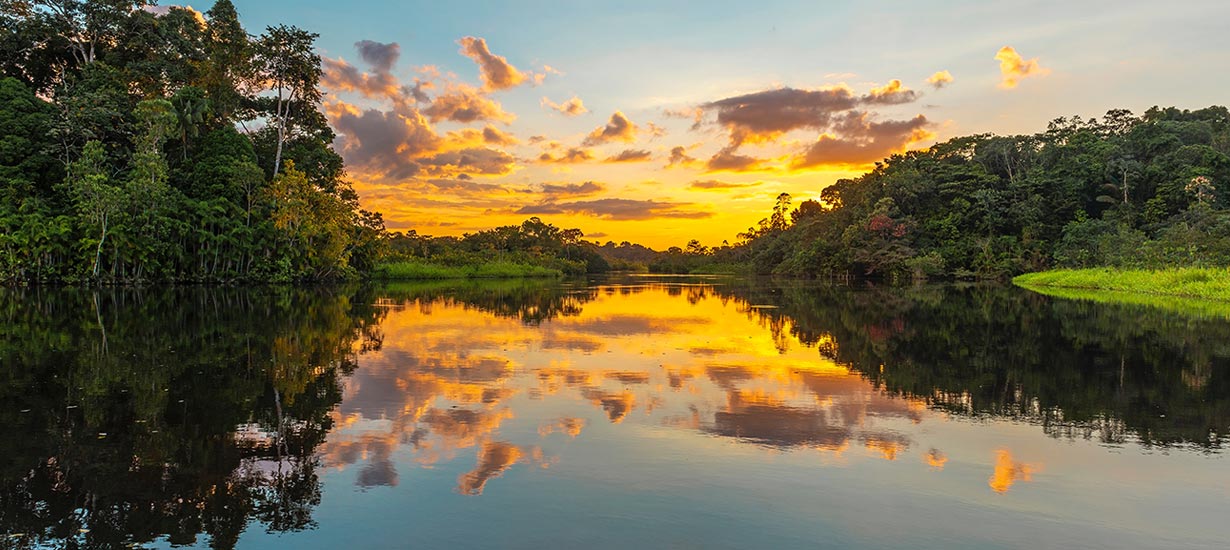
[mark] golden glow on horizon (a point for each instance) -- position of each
(446, 157)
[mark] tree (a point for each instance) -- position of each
(286, 61)
(88, 25)
(778, 222)
(807, 209)
(228, 71)
(191, 110)
(94, 197)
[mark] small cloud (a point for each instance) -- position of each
(488, 135)
(1014, 68)
(381, 57)
(695, 114)
(496, 72)
(494, 136)
(679, 157)
(862, 141)
(655, 131)
(465, 103)
(727, 160)
(573, 189)
(618, 128)
(892, 93)
(940, 79)
(631, 155)
(618, 209)
(480, 160)
(574, 155)
(715, 185)
(572, 107)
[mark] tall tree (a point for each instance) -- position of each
(95, 198)
(288, 64)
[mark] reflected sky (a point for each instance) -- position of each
(624, 412)
(650, 398)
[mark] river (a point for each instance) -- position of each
(621, 412)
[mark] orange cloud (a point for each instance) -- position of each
(890, 94)
(475, 160)
(572, 107)
(935, 459)
(861, 141)
(493, 460)
(618, 128)
(715, 185)
(1008, 472)
(567, 425)
(496, 72)
(1013, 67)
(338, 75)
(465, 103)
(887, 445)
(488, 135)
(940, 79)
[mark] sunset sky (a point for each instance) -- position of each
(658, 122)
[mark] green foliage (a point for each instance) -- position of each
(547, 249)
(126, 166)
(1143, 192)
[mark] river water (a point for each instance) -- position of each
(624, 412)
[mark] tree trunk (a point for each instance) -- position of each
(98, 251)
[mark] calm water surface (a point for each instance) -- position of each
(615, 413)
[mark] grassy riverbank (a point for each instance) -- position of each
(415, 270)
(1188, 282)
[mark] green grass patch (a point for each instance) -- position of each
(1188, 307)
(1190, 282)
(417, 270)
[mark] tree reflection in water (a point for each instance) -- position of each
(134, 416)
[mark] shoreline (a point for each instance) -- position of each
(1211, 283)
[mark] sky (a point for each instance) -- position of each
(659, 122)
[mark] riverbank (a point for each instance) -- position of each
(414, 270)
(1187, 282)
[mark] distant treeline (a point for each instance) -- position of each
(122, 159)
(533, 244)
(1145, 191)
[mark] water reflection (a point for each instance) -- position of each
(741, 362)
(159, 416)
(131, 416)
